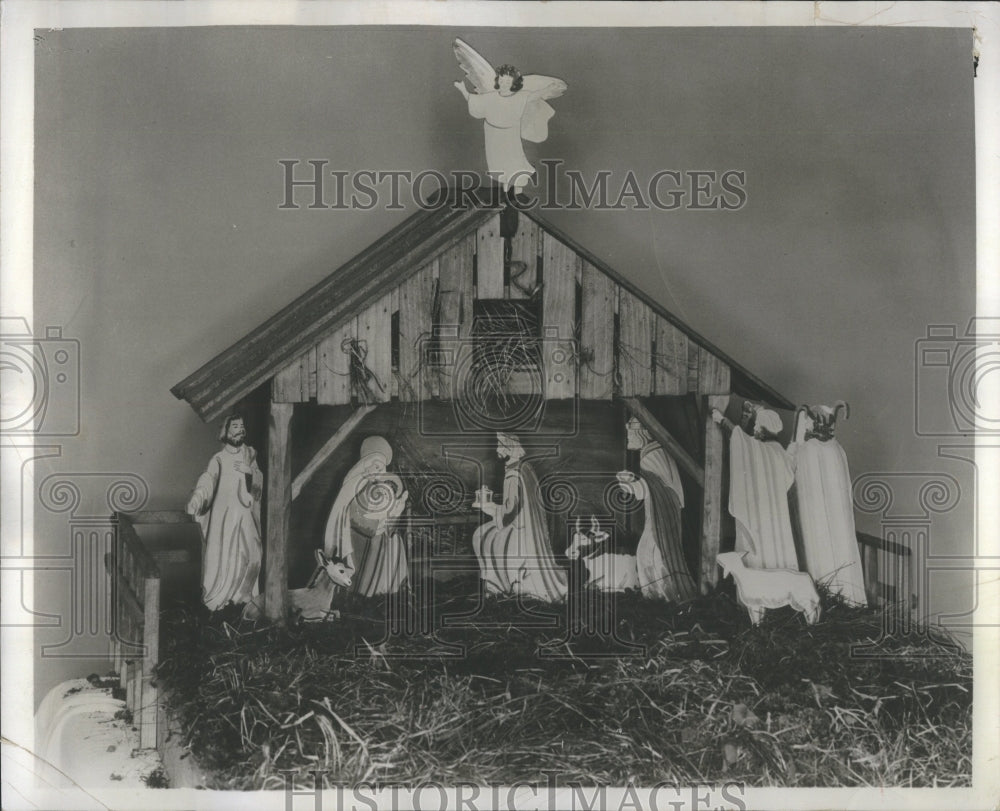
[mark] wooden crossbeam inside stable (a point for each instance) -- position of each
(328, 448)
(666, 440)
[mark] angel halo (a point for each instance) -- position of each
(513, 107)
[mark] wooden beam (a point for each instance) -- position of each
(666, 440)
(333, 366)
(279, 504)
(151, 656)
(489, 260)
(670, 375)
(374, 329)
(713, 374)
(416, 302)
(328, 448)
(558, 316)
(635, 346)
(712, 502)
(286, 385)
(455, 315)
(597, 328)
(524, 248)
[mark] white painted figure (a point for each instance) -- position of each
(758, 589)
(826, 512)
(226, 503)
(360, 528)
(761, 474)
(513, 547)
(313, 601)
(662, 570)
(606, 571)
(513, 108)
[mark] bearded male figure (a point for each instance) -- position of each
(226, 503)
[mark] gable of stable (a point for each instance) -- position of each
(601, 336)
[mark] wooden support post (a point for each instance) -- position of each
(328, 448)
(666, 440)
(279, 503)
(712, 504)
(146, 716)
(870, 558)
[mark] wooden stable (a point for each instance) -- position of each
(396, 323)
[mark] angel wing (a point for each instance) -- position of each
(543, 87)
(535, 121)
(478, 70)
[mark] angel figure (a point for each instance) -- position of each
(513, 108)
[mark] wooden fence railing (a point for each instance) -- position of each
(135, 594)
(887, 566)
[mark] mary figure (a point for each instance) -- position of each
(359, 528)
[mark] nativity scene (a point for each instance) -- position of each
(481, 447)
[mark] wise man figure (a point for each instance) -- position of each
(660, 563)
(226, 503)
(513, 547)
(761, 474)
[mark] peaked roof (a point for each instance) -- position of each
(238, 370)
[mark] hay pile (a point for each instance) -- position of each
(709, 698)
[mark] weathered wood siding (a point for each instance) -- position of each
(558, 318)
(489, 260)
(652, 356)
(597, 332)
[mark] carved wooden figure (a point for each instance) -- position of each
(226, 504)
(826, 511)
(758, 589)
(513, 548)
(662, 570)
(513, 108)
(760, 478)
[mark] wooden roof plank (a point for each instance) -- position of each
(314, 315)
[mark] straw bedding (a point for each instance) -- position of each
(692, 693)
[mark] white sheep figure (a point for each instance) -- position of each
(607, 571)
(758, 589)
(313, 601)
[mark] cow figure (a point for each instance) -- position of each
(606, 571)
(758, 589)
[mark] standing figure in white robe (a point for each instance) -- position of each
(823, 490)
(359, 528)
(660, 564)
(761, 474)
(226, 503)
(513, 108)
(513, 547)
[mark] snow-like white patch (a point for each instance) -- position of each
(82, 732)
